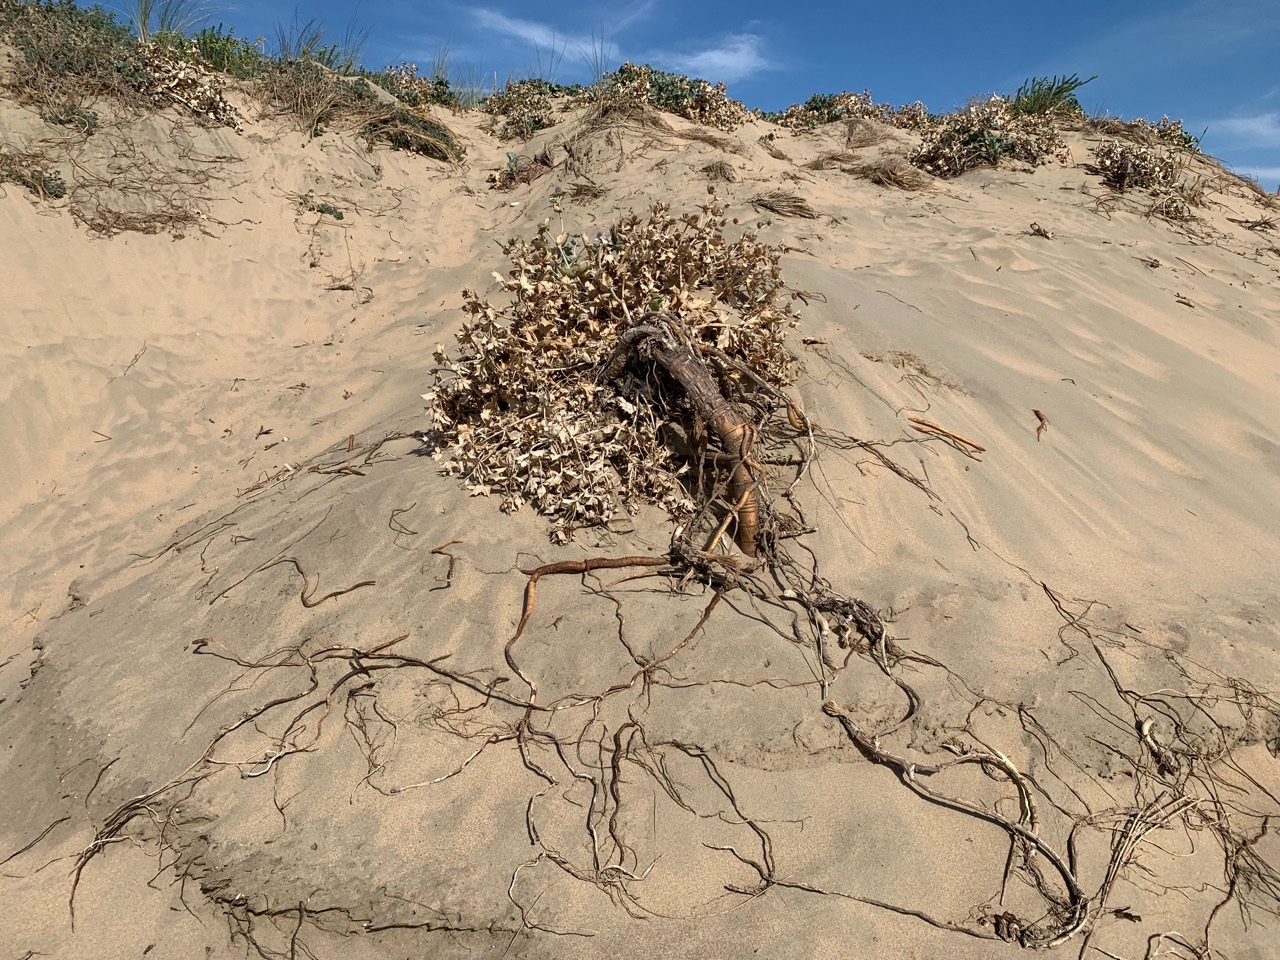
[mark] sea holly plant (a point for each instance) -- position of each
(542, 404)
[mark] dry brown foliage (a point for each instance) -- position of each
(860, 133)
(891, 172)
(525, 411)
(784, 204)
(710, 139)
(1126, 165)
(585, 192)
(720, 170)
(189, 83)
(831, 161)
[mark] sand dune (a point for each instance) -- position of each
(216, 491)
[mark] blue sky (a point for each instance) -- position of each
(1215, 64)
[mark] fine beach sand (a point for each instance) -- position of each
(212, 459)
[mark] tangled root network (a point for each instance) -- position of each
(527, 411)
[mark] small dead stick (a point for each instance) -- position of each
(564, 566)
(308, 592)
(1043, 426)
(925, 426)
(443, 551)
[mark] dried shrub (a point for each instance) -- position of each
(863, 133)
(585, 192)
(784, 204)
(520, 169)
(525, 413)
(1125, 165)
(831, 161)
(720, 170)
(697, 100)
(712, 140)
(772, 149)
(186, 80)
(891, 172)
(1170, 132)
(982, 135)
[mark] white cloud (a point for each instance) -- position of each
(547, 37)
(531, 32)
(735, 57)
(1260, 130)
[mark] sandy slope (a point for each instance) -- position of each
(203, 433)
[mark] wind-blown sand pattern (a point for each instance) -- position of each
(257, 690)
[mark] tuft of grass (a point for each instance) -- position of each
(598, 57)
(859, 133)
(165, 21)
(1049, 95)
(308, 40)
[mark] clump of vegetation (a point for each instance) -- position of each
(1126, 165)
(1170, 132)
(536, 408)
(22, 170)
(183, 78)
(527, 106)
(71, 115)
(68, 55)
(984, 134)
(697, 100)
(406, 85)
(1049, 96)
(223, 51)
(824, 108)
(406, 129)
(325, 207)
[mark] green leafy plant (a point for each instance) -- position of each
(46, 184)
(71, 115)
(225, 52)
(1049, 95)
(688, 97)
(68, 54)
(982, 135)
